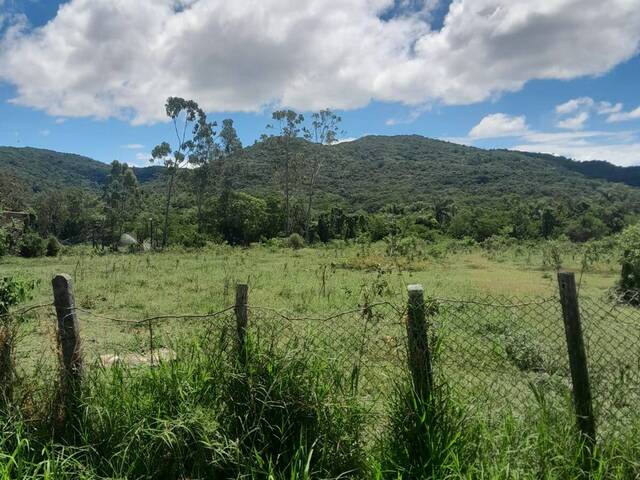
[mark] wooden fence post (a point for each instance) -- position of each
(242, 319)
(419, 355)
(68, 334)
(577, 358)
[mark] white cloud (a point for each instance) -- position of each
(574, 105)
(141, 159)
(60, 121)
(624, 116)
(623, 154)
(106, 58)
(500, 125)
(347, 140)
(45, 133)
(620, 148)
(606, 108)
(411, 117)
(581, 108)
(574, 123)
(133, 146)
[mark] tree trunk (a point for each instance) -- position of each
(165, 232)
(286, 193)
(312, 185)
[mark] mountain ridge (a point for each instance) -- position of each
(369, 172)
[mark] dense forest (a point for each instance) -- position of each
(299, 180)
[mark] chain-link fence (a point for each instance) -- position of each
(498, 355)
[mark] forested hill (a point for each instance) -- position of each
(371, 172)
(44, 170)
(379, 170)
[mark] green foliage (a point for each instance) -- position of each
(479, 195)
(238, 218)
(53, 247)
(426, 437)
(191, 238)
(630, 275)
(4, 242)
(14, 291)
(295, 241)
(524, 351)
(121, 196)
(32, 245)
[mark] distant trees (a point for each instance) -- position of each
(288, 126)
(193, 136)
(324, 130)
(230, 148)
(121, 197)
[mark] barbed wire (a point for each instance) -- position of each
(361, 310)
(25, 310)
(156, 318)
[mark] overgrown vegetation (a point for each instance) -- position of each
(281, 185)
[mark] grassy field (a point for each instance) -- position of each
(507, 413)
(200, 281)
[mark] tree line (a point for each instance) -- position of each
(199, 198)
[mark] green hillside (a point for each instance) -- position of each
(370, 172)
(45, 169)
(379, 170)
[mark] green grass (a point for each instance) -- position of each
(321, 399)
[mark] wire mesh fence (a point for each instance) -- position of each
(498, 355)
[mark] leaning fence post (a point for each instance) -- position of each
(419, 355)
(577, 357)
(242, 318)
(68, 334)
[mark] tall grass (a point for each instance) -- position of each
(204, 415)
(286, 416)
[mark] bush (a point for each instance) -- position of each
(193, 240)
(53, 247)
(32, 245)
(4, 242)
(525, 352)
(630, 275)
(12, 292)
(295, 241)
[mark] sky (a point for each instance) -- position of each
(555, 76)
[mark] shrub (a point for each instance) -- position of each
(12, 292)
(295, 241)
(53, 247)
(193, 240)
(32, 245)
(4, 242)
(630, 275)
(525, 352)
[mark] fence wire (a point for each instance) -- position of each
(498, 355)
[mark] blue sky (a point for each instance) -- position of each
(91, 77)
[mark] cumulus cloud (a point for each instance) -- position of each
(623, 154)
(582, 107)
(122, 58)
(607, 108)
(621, 148)
(624, 116)
(574, 105)
(500, 125)
(574, 123)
